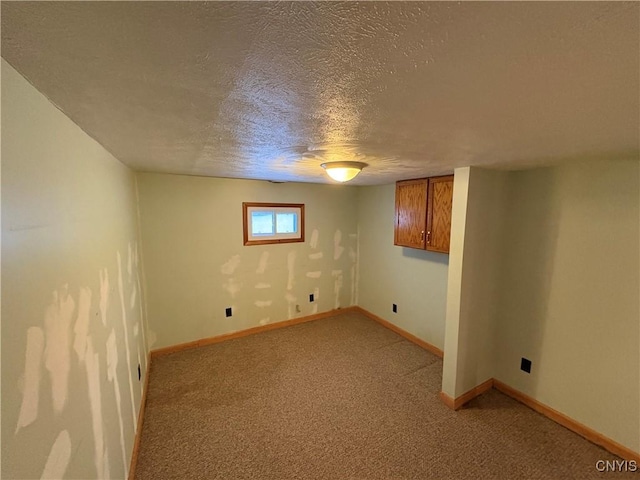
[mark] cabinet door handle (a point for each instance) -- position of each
(422, 235)
(428, 237)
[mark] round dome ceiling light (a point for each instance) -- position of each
(343, 171)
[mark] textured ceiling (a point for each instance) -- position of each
(272, 90)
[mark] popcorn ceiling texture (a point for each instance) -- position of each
(271, 90)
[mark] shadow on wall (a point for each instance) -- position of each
(434, 257)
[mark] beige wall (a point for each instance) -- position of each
(483, 250)
(196, 264)
(71, 339)
(459, 208)
(415, 280)
(544, 265)
(570, 299)
(476, 259)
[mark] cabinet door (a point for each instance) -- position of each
(411, 213)
(439, 213)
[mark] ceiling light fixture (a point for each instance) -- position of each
(343, 171)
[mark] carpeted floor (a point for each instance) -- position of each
(339, 398)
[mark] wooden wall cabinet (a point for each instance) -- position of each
(423, 213)
(411, 213)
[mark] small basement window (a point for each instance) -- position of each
(272, 223)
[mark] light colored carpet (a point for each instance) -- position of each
(339, 398)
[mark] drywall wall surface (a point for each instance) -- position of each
(481, 267)
(415, 280)
(570, 299)
(459, 208)
(72, 325)
(197, 266)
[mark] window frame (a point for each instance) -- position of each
(250, 239)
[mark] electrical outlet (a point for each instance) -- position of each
(311, 297)
(395, 308)
(228, 311)
(525, 365)
(139, 373)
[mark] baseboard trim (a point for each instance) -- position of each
(567, 422)
(458, 402)
(412, 338)
(448, 401)
(249, 331)
(552, 414)
(143, 403)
